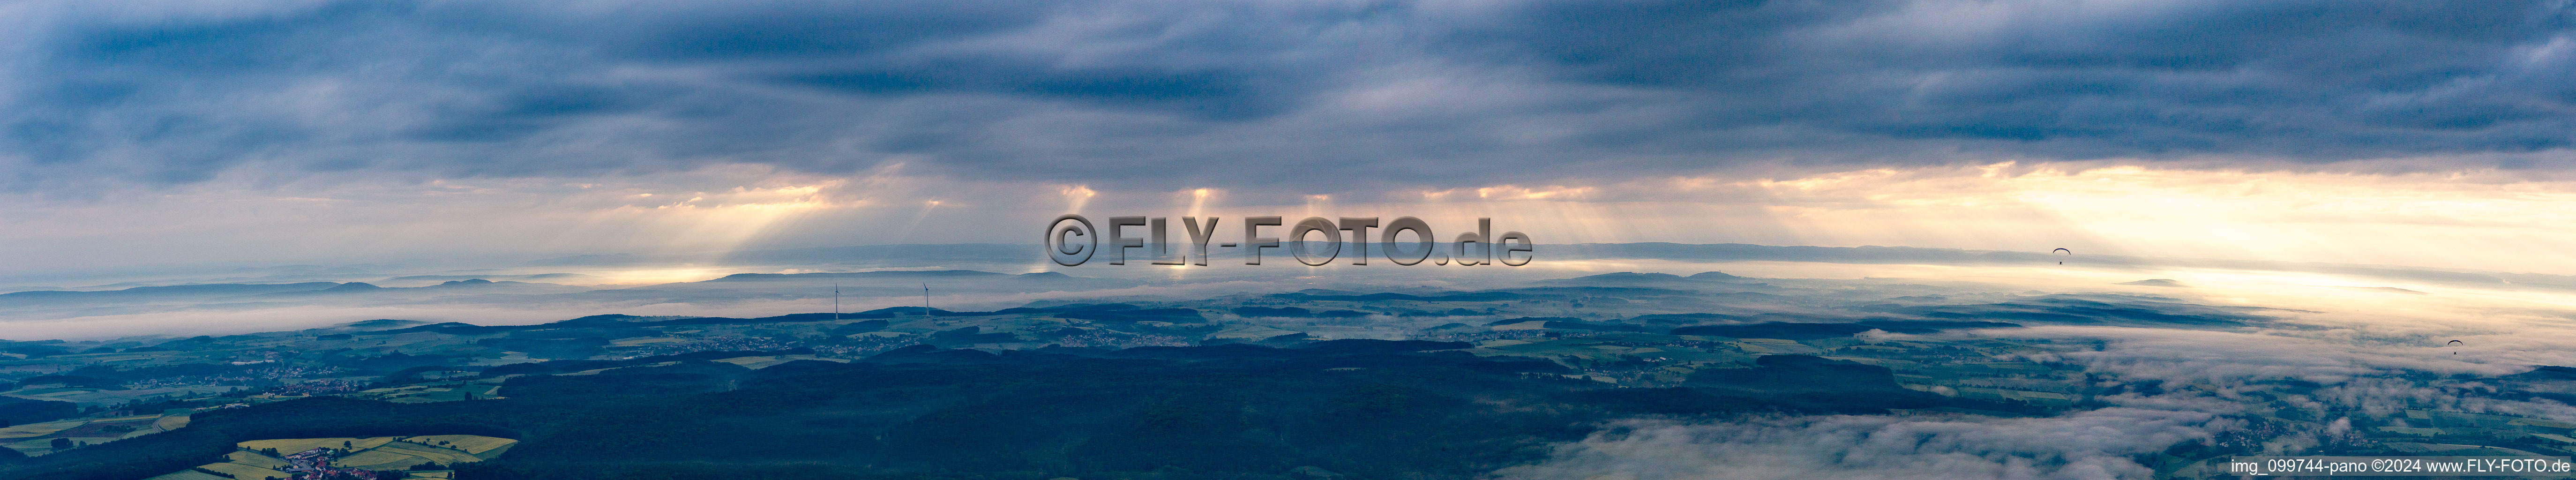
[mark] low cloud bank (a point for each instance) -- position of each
(2085, 445)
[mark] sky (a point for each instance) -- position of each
(643, 143)
(637, 143)
(139, 136)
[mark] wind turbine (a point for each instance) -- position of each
(925, 299)
(836, 301)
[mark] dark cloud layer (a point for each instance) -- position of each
(1238, 93)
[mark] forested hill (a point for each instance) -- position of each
(1355, 408)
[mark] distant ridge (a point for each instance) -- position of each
(947, 255)
(1636, 278)
(541, 277)
(381, 323)
(172, 291)
(880, 274)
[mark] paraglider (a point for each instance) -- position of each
(2069, 253)
(2456, 344)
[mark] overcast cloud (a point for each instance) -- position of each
(1242, 93)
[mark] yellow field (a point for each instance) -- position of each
(288, 446)
(496, 452)
(378, 453)
(474, 444)
(48, 428)
(435, 454)
(39, 429)
(378, 460)
(240, 471)
(256, 460)
(406, 453)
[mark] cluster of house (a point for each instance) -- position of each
(325, 386)
(315, 464)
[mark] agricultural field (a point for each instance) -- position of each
(260, 459)
(246, 470)
(104, 397)
(478, 445)
(39, 438)
(292, 445)
(443, 391)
